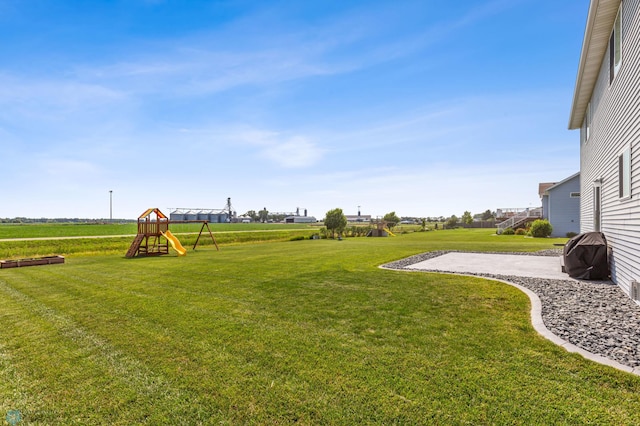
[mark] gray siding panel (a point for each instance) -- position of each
(615, 126)
(564, 211)
(545, 207)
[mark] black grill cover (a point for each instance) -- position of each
(586, 257)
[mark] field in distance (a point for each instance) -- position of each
(52, 230)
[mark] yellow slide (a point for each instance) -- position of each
(175, 243)
(389, 232)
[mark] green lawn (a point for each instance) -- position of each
(308, 332)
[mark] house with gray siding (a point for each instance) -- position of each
(606, 109)
(561, 205)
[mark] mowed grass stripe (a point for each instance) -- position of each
(39, 387)
(13, 387)
(150, 387)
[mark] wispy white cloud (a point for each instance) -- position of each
(67, 169)
(296, 152)
(54, 105)
(475, 128)
(61, 92)
(206, 70)
(289, 152)
(211, 62)
(482, 11)
(200, 64)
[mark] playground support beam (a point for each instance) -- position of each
(205, 223)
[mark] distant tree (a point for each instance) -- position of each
(263, 215)
(335, 221)
(452, 222)
(277, 217)
(392, 219)
(253, 215)
(488, 215)
(466, 217)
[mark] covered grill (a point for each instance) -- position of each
(586, 257)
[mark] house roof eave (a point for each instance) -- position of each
(573, 176)
(602, 14)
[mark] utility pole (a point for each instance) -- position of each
(110, 205)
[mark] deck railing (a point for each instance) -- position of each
(520, 218)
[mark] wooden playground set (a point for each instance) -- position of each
(154, 237)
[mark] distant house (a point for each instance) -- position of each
(561, 205)
(606, 109)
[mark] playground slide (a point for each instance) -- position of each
(389, 232)
(175, 243)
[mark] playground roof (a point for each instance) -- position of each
(153, 210)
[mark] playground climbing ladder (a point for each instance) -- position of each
(135, 246)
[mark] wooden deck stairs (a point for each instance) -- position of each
(520, 219)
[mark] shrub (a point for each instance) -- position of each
(508, 231)
(325, 233)
(451, 222)
(571, 234)
(541, 228)
(297, 238)
(521, 231)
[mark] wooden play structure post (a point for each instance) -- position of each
(151, 239)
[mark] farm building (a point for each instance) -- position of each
(606, 110)
(300, 219)
(210, 215)
(358, 218)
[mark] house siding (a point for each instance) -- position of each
(615, 126)
(564, 211)
(545, 207)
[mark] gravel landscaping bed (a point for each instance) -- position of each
(593, 315)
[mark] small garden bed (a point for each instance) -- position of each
(17, 263)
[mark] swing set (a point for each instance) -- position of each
(154, 237)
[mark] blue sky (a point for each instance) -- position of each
(425, 108)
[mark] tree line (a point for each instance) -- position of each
(335, 221)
